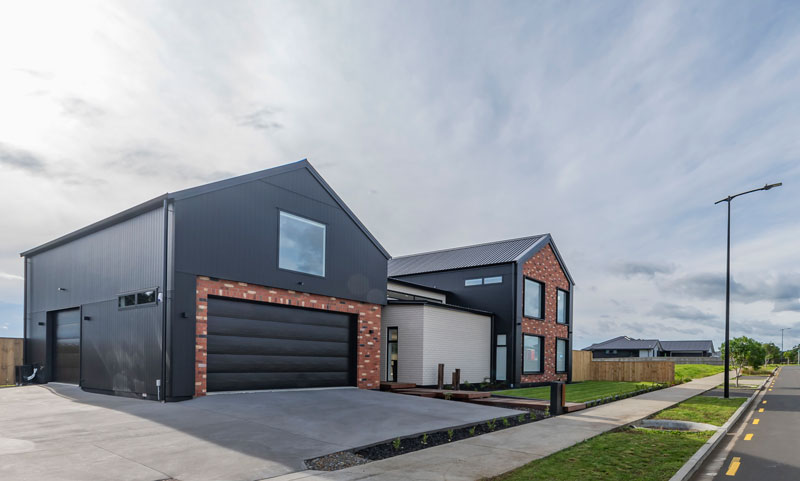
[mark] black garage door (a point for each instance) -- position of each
(66, 346)
(263, 346)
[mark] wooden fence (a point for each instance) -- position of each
(586, 369)
(10, 357)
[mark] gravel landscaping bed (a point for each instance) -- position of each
(396, 447)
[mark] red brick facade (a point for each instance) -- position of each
(545, 268)
(369, 323)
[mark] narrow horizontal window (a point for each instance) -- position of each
(473, 282)
(144, 298)
(493, 280)
(128, 300)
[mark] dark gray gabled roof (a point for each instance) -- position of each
(203, 189)
(490, 253)
(498, 252)
(625, 342)
(702, 345)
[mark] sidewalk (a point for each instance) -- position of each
(495, 453)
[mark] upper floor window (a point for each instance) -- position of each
(147, 297)
(533, 299)
(301, 245)
(473, 282)
(561, 307)
(493, 280)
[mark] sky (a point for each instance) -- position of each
(614, 126)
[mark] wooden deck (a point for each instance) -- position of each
(394, 386)
(444, 393)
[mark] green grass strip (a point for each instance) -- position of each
(703, 409)
(580, 391)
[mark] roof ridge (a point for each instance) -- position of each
(537, 236)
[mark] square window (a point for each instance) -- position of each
(128, 300)
(533, 299)
(301, 245)
(146, 297)
(532, 354)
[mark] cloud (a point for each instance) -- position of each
(666, 310)
(261, 119)
(645, 269)
(783, 291)
(11, 277)
(21, 159)
(78, 107)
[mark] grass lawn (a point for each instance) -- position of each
(580, 391)
(687, 372)
(629, 455)
(703, 409)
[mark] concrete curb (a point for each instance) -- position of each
(691, 466)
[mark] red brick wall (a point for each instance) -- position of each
(545, 268)
(369, 323)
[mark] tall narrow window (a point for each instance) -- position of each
(534, 299)
(501, 351)
(532, 354)
(561, 307)
(301, 245)
(561, 355)
(391, 349)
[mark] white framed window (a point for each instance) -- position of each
(301, 245)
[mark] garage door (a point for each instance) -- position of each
(255, 346)
(66, 346)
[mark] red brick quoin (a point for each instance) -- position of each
(369, 323)
(544, 267)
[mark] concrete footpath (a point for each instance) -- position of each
(499, 452)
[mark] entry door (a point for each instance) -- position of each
(67, 346)
(392, 354)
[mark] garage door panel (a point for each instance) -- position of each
(257, 381)
(68, 330)
(255, 346)
(275, 364)
(232, 326)
(269, 312)
(274, 347)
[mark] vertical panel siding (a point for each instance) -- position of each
(460, 340)
(122, 346)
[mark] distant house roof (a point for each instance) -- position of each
(203, 189)
(688, 346)
(490, 253)
(625, 342)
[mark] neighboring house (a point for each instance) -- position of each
(261, 281)
(506, 305)
(624, 346)
(703, 348)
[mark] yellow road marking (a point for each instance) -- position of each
(756, 420)
(763, 402)
(748, 437)
(770, 389)
(761, 410)
(734, 466)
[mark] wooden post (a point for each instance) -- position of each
(440, 377)
(457, 380)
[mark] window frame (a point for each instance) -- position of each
(566, 306)
(324, 244)
(566, 356)
(135, 295)
(397, 347)
(541, 298)
(541, 353)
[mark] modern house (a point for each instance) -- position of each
(624, 346)
(262, 281)
(500, 311)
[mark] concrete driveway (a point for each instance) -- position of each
(60, 432)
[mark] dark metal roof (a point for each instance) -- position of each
(418, 286)
(703, 345)
(498, 252)
(203, 189)
(624, 342)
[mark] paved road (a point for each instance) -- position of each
(765, 445)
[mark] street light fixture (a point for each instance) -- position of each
(783, 329)
(728, 285)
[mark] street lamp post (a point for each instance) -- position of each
(728, 285)
(783, 329)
